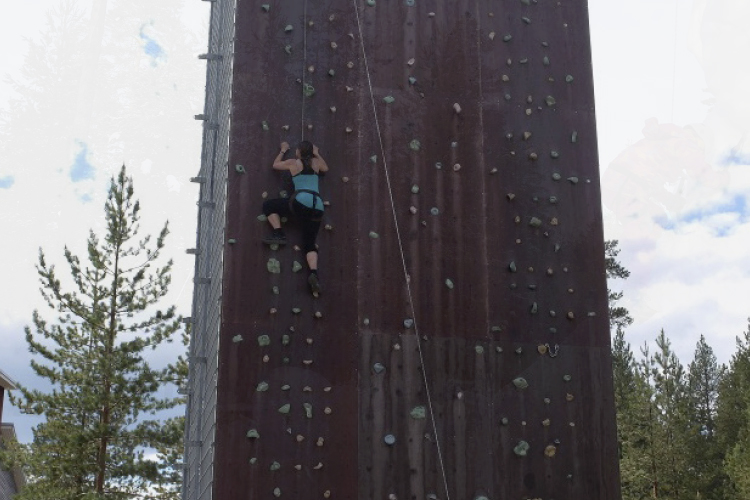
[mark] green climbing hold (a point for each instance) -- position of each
(262, 218)
(288, 49)
(288, 28)
(520, 383)
(449, 283)
(496, 329)
(415, 189)
(550, 100)
(285, 339)
(526, 20)
(390, 439)
(574, 137)
(418, 413)
(264, 340)
(277, 492)
(331, 73)
(274, 266)
(567, 378)
(526, 2)
(507, 38)
(481, 497)
(296, 267)
(573, 180)
(378, 367)
(262, 387)
(415, 145)
(253, 434)
(264, 125)
(374, 235)
(410, 3)
(388, 99)
(308, 90)
(284, 410)
(545, 60)
(521, 449)
(412, 80)
(237, 338)
(239, 169)
(554, 154)
(371, 3)
(253, 461)
(569, 78)
(231, 241)
(266, 7)
(374, 159)
(275, 290)
(283, 194)
(275, 466)
(556, 176)
(296, 310)
(535, 222)
(308, 410)
(553, 199)
(286, 387)
(479, 349)
(408, 323)
(512, 266)
(435, 211)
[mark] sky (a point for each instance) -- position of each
(87, 85)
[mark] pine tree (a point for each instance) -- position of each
(619, 317)
(733, 419)
(706, 479)
(101, 414)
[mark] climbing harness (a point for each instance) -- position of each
(401, 251)
(316, 197)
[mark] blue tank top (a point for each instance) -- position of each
(308, 180)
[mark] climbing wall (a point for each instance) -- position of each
(460, 348)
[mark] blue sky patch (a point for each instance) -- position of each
(736, 205)
(7, 181)
(81, 168)
(150, 46)
(735, 157)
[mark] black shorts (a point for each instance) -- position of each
(309, 218)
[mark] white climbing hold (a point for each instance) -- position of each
(457, 108)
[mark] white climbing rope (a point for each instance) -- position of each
(304, 65)
(401, 251)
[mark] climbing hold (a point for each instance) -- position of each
(521, 449)
(481, 497)
(550, 451)
(231, 241)
(457, 108)
(435, 211)
(556, 176)
(284, 410)
(378, 367)
(288, 49)
(546, 422)
(569, 397)
(286, 387)
(438, 165)
(237, 338)
(296, 310)
(253, 434)
(285, 339)
(526, 2)
(528, 111)
(492, 35)
(454, 144)
(456, 167)
(308, 410)
(239, 169)
(266, 7)
(319, 442)
(275, 466)
(504, 420)
(418, 412)
(479, 349)
(498, 349)
(262, 387)
(554, 154)
(266, 358)
(574, 136)
(524, 60)
(415, 189)
(296, 267)
(550, 100)
(542, 348)
(327, 410)
(374, 235)
(318, 314)
(535, 222)
(567, 378)
(410, 62)
(512, 266)
(264, 340)
(534, 308)
(533, 156)
(415, 145)
(408, 323)
(507, 38)
(554, 221)
(519, 350)
(570, 315)
(413, 210)
(277, 492)
(507, 97)
(371, 3)
(390, 439)
(388, 99)
(569, 78)
(553, 199)
(496, 329)
(374, 159)
(449, 283)
(331, 73)
(308, 90)
(288, 28)
(412, 80)
(573, 180)
(520, 383)
(545, 61)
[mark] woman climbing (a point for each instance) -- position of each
(305, 203)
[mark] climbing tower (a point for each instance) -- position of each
(460, 347)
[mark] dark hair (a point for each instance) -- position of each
(305, 149)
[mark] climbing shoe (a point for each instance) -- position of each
(276, 238)
(314, 283)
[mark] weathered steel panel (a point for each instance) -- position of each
(498, 214)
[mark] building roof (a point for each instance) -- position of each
(6, 382)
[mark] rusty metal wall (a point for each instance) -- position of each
(497, 205)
